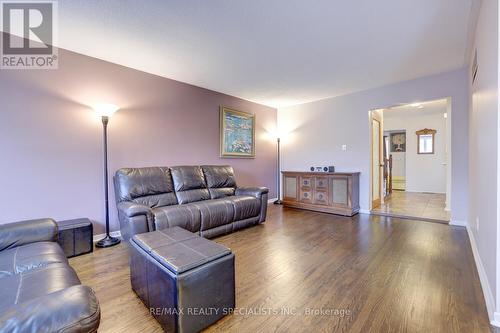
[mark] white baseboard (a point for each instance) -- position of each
(485, 285)
(496, 319)
(364, 211)
(458, 223)
(96, 238)
(270, 201)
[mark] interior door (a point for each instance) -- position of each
(377, 165)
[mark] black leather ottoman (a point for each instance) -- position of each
(186, 281)
(75, 236)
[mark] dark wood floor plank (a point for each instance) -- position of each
(374, 274)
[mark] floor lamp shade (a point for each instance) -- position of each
(105, 111)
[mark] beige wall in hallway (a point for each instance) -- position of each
(423, 172)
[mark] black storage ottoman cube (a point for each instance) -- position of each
(186, 281)
(75, 236)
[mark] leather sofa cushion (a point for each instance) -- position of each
(184, 197)
(30, 256)
(34, 283)
(188, 178)
(215, 213)
(189, 184)
(25, 232)
(185, 216)
(151, 186)
(220, 180)
(216, 193)
(73, 309)
(219, 176)
(157, 200)
(39, 291)
(204, 215)
(244, 206)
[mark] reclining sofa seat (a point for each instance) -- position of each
(201, 199)
(39, 291)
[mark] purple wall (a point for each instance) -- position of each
(50, 139)
(484, 147)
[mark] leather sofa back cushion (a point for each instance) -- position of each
(220, 180)
(189, 184)
(152, 186)
(157, 200)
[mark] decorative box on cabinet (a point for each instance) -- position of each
(328, 192)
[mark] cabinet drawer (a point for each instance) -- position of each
(306, 196)
(321, 197)
(306, 181)
(321, 183)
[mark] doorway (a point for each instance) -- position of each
(376, 158)
(410, 161)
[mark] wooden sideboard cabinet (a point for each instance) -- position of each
(328, 192)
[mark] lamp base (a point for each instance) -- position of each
(108, 241)
(278, 202)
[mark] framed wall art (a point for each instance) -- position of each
(237, 133)
(398, 142)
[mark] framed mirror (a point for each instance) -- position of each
(425, 141)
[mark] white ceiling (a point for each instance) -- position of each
(417, 109)
(275, 52)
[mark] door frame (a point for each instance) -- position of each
(376, 115)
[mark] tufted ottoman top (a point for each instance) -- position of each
(179, 250)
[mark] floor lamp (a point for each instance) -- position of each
(278, 201)
(105, 111)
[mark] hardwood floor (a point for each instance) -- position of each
(311, 272)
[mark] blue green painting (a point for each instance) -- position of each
(238, 136)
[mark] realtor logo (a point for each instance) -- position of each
(29, 31)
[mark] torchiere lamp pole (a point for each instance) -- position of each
(278, 201)
(106, 111)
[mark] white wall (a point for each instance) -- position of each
(398, 164)
(319, 129)
(424, 172)
(483, 146)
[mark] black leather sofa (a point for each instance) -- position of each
(39, 291)
(201, 199)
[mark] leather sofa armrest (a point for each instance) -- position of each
(131, 209)
(252, 191)
(134, 219)
(260, 193)
(25, 232)
(74, 309)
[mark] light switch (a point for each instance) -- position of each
(344, 147)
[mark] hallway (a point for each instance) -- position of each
(430, 206)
